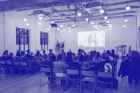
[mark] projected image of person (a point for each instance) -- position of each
(92, 39)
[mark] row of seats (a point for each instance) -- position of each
(98, 79)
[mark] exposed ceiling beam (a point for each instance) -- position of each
(114, 17)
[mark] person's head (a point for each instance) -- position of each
(22, 53)
(108, 52)
(91, 53)
(97, 55)
(44, 52)
(28, 51)
(94, 52)
(50, 50)
(38, 53)
(79, 51)
(11, 54)
(113, 51)
(32, 54)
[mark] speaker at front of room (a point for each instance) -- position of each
(53, 25)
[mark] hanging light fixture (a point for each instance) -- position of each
(61, 25)
(79, 13)
(102, 11)
(52, 22)
(50, 26)
(25, 19)
(107, 21)
(92, 23)
(39, 23)
(87, 19)
(58, 28)
(105, 17)
(40, 17)
(128, 8)
(125, 20)
(124, 25)
(27, 24)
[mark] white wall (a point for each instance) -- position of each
(8, 23)
(138, 30)
(117, 36)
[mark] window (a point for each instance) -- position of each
(44, 41)
(22, 39)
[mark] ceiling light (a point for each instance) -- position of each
(58, 28)
(107, 21)
(25, 19)
(124, 25)
(127, 8)
(50, 26)
(27, 24)
(110, 29)
(100, 25)
(39, 23)
(52, 22)
(79, 14)
(125, 20)
(105, 17)
(69, 28)
(92, 23)
(102, 11)
(69, 31)
(95, 26)
(61, 25)
(40, 17)
(86, 19)
(98, 28)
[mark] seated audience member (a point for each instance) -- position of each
(91, 56)
(69, 58)
(22, 54)
(5, 54)
(18, 54)
(74, 58)
(97, 58)
(10, 57)
(28, 53)
(38, 53)
(51, 56)
(44, 54)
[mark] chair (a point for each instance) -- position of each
(24, 65)
(73, 74)
(16, 62)
(47, 70)
(88, 75)
(59, 74)
(105, 78)
(2, 64)
(9, 65)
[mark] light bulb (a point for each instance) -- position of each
(125, 20)
(58, 28)
(52, 22)
(110, 29)
(69, 31)
(124, 25)
(61, 25)
(49, 26)
(27, 24)
(107, 21)
(25, 19)
(105, 17)
(79, 14)
(102, 11)
(92, 23)
(95, 26)
(86, 19)
(39, 23)
(69, 28)
(127, 8)
(40, 17)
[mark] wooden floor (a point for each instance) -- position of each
(30, 84)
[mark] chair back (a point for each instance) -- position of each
(23, 62)
(2, 61)
(87, 73)
(73, 71)
(38, 60)
(45, 68)
(9, 62)
(16, 61)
